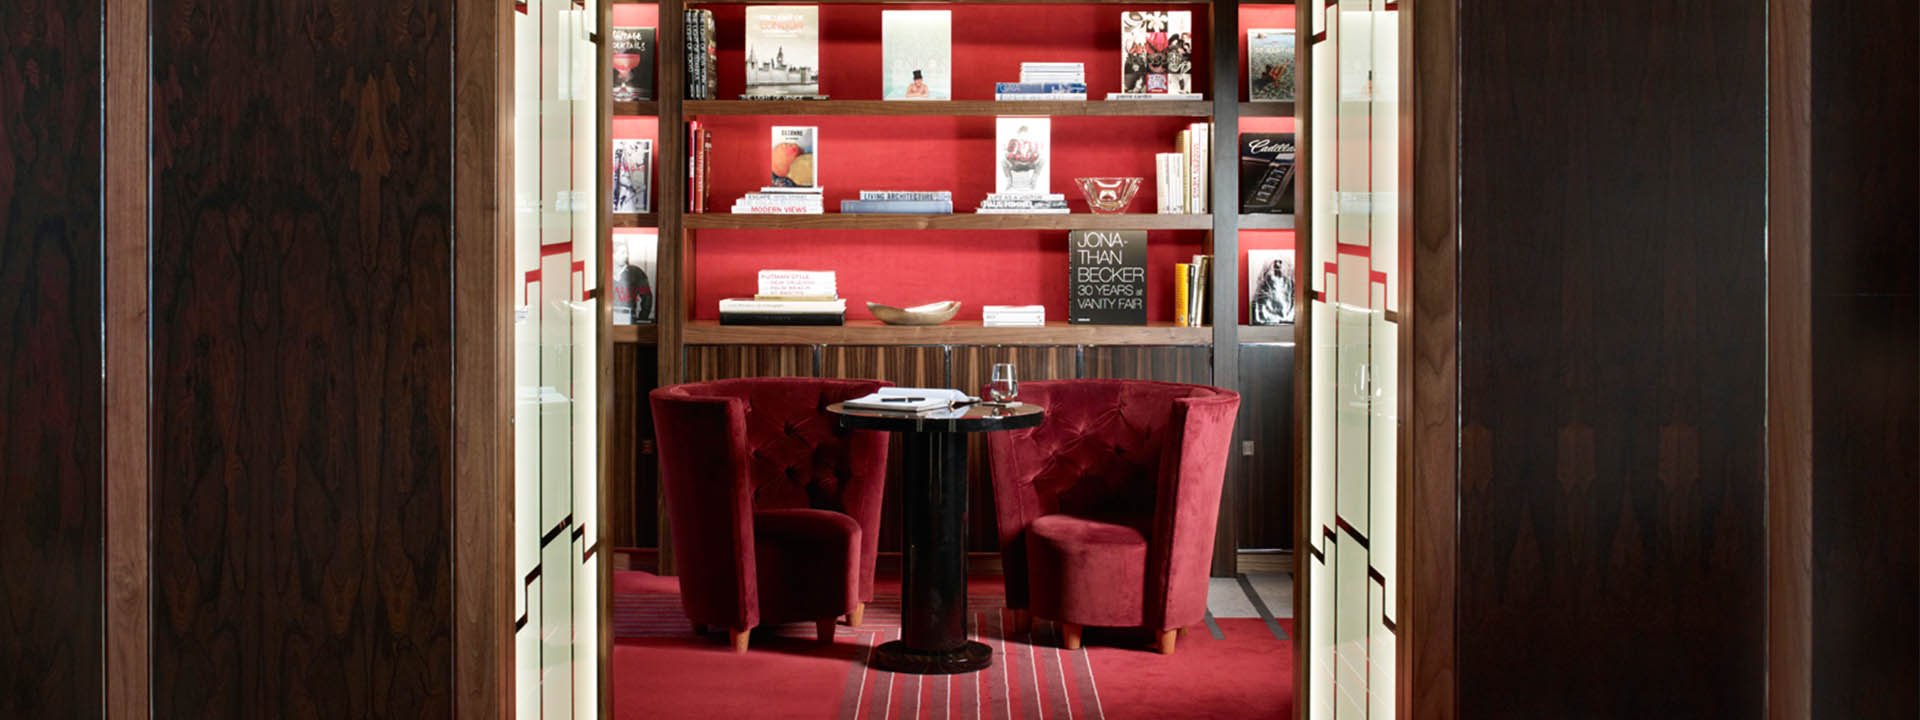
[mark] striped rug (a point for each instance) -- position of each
(1031, 676)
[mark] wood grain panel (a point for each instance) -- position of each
(721, 362)
(905, 367)
(634, 478)
(51, 395)
(302, 347)
(1264, 509)
(1865, 339)
(971, 368)
(129, 600)
(1612, 354)
(1789, 359)
(1168, 364)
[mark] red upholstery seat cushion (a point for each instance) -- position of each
(805, 561)
(1068, 555)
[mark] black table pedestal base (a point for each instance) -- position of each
(895, 656)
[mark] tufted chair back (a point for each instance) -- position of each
(797, 457)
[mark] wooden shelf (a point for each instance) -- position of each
(635, 108)
(1266, 333)
(949, 108)
(1266, 109)
(958, 221)
(958, 332)
(648, 334)
(1266, 222)
(636, 220)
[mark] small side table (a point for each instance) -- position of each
(933, 613)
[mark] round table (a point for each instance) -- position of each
(933, 519)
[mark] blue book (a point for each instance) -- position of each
(1017, 88)
(896, 207)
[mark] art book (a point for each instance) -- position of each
(916, 54)
(1156, 52)
(795, 165)
(1270, 64)
(1270, 288)
(1025, 147)
(1107, 277)
(634, 258)
(632, 175)
(632, 60)
(783, 50)
(1266, 173)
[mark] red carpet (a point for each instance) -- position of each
(662, 670)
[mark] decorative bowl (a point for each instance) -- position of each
(928, 314)
(1109, 195)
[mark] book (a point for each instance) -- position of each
(1155, 96)
(632, 190)
(1270, 64)
(1270, 287)
(911, 400)
(1182, 295)
(1107, 277)
(701, 55)
(1050, 72)
(896, 207)
(632, 60)
(727, 318)
(1199, 156)
(634, 264)
(1013, 316)
(791, 307)
(1025, 151)
(1156, 52)
(906, 195)
(783, 50)
(1266, 173)
(1023, 97)
(1199, 274)
(916, 54)
(794, 161)
(774, 96)
(797, 283)
(1040, 88)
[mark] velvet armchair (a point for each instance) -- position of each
(774, 512)
(1107, 510)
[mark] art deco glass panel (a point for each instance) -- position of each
(555, 419)
(1352, 569)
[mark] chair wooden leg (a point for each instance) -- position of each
(858, 615)
(739, 639)
(1183, 632)
(1167, 639)
(824, 629)
(1070, 635)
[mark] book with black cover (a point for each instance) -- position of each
(1107, 277)
(782, 319)
(1266, 173)
(632, 51)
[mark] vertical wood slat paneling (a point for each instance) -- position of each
(1264, 511)
(1612, 344)
(633, 478)
(302, 296)
(1865, 277)
(51, 395)
(129, 581)
(1789, 360)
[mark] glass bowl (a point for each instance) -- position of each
(1109, 195)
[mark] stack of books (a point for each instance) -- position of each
(1181, 176)
(781, 201)
(1191, 301)
(1045, 81)
(1023, 204)
(900, 202)
(701, 60)
(794, 176)
(788, 297)
(1014, 316)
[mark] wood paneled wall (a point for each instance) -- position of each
(1264, 509)
(51, 395)
(302, 356)
(1866, 359)
(1612, 340)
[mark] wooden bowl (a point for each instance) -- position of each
(928, 314)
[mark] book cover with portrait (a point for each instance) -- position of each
(632, 190)
(916, 54)
(1156, 52)
(1024, 148)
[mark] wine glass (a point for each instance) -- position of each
(1004, 386)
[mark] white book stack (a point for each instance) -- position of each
(1053, 72)
(1046, 81)
(782, 201)
(788, 297)
(1180, 177)
(1023, 204)
(1014, 316)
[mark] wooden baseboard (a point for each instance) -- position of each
(1266, 561)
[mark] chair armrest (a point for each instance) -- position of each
(1187, 509)
(863, 495)
(703, 459)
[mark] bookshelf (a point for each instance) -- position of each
(700, 254)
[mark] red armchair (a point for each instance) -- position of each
(1107, 510)
(775, 513)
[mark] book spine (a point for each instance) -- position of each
(1017, 97)
(703, 155)
(1042, 88)
(782, 319)
(892, 195)
(1195, 161)
(1180, 293)
(1202, 163)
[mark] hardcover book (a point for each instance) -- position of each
(794, 162)
(1270, 288)
(1025, 151)
(1156, 52)
(1107, 277)
(634, 257)
(632, 175)
(1266, 173)
(783, 50)
(632, 60)
(916, 54)
(1270, 65)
